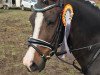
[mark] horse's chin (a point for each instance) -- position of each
(33, 68)
(37, 67)
(41, 65)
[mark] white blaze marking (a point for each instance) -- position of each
(29, 57)
(38, 23)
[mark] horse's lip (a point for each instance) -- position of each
(34, 67)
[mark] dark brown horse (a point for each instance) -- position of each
(83, 40)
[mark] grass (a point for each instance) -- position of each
(14, 30)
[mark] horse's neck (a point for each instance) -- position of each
(84, 32)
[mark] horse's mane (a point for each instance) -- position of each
(90, 4)
(86, 8)
(87, 17)
(87, 2)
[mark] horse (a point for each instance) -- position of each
(48, 33)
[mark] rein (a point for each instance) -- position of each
(83, 70)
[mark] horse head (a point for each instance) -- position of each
(45, 27)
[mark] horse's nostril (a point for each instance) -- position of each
(34, 67)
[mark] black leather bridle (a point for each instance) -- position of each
(53, 45)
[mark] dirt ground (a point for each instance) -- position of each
(14, 32)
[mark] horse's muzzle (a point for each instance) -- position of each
(33, 68)
(36, 67)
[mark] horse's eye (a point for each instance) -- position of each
(46, 2)
(49, 22)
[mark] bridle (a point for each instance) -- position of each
(52, 46)
(56, 37)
